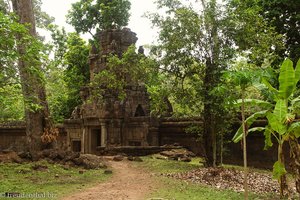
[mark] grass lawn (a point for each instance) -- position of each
(172, 189)
(56, 181)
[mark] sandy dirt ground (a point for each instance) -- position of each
(127, 183)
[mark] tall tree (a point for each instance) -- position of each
(88, 16)
(213, 61)
(32, 80)
(193, 50)
(12, 105)
(68, 72)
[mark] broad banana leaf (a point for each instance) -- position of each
(268, 138)
(297, 72)
(294, 129)
(295, 100)
(255, 102)
(276, 124)
(281, 110)
(249, 121)
(255, 129)
(269, 86)
(278, 170)
(286, 79)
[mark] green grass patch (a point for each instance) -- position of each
(169, 166)
(21, 178)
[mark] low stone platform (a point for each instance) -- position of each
(136, 150)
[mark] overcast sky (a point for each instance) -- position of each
(138, 24)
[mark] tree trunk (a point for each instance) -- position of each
(211, 80)
(221, 148)
(282, 179)
(208, 116)
(244, 149)
(208, 138)
(33, 87)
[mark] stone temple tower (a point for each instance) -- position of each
(111, 42)
(110, 122)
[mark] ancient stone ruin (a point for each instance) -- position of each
(109, 121)
(123, 126)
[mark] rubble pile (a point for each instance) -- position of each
(68, 158)
(181, 154)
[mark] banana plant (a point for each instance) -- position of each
(281, 120)
(243, 79)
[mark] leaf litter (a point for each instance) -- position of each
(232, 179)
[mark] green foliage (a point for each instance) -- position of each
(159, 97)
(76, 60)
(268, 138)
(182, 52)
(276, 124)
(297, 72)
(59, 43)
(294, 129)
(278, 170)
(33, 52)
(57, 93)
(4, 7)
(68, 72)
(281, 123)
(255, 102)
(192, 51)
(249, 121)
(11, 103)
(43, 19)
(284, 16)
(131, 69)
(195, 130)
(281, 116)
(286, 79)
(8, 53)
(254, 37)
(88, 15)
(271, 89)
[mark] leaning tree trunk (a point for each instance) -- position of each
(33, 87)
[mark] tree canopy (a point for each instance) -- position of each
(68, 72)
(88, 16)
(285, 17)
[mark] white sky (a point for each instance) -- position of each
(138, 24)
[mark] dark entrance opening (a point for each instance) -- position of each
(96, 139)
(76, 145)
(139, 112)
